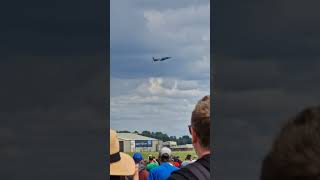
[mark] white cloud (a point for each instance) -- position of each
(179, 27)
(155, 87)
(182, 20)
(151, 102)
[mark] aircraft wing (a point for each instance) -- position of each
(165, 58)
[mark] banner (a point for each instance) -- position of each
(143, 143)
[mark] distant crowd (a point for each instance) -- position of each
(294, 154)
(153, 162)
(145, 166)
(167, 166)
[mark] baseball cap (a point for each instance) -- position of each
(165, 150)
(137, 157)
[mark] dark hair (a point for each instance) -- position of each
(295, 153)
(176, 159)
(151, 158)
(188, 157)
(200, 121)
(165, 157)
(114, 177)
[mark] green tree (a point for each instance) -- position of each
(173, 138)
(146, 133)
(184, 140)
(123, 131)
(164, 137)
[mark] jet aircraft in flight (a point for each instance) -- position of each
(160, 59)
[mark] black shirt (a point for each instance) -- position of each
(186, 174)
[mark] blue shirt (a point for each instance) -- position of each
(184, 163)
(162, 172)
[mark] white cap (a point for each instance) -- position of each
(165, 150)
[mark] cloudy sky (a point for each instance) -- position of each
(267, 70)
(53, 114)
(158, 96)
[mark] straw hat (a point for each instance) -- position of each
(121, 164)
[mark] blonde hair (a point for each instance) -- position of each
(200, 120)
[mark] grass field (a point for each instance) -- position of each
(182, 154)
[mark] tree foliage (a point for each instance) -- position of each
(163, 137)
(123, 132)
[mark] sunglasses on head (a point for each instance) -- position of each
(190, 129)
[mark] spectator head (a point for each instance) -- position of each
(188, 157)
(165, 158)
(176, 159)
(164, 154)
(195, 157)
(137, 157)
(200, 125)
(295, 153)
(121, 164)
(144, 162)
(150, 157)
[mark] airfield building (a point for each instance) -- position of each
(185, 147)
(169, 144)
(130, 142)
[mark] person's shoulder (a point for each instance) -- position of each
(143, 174)
(144, 171)
(155, 169)
(184, 163)
(207, 156)
(172, 166)
(183, 173)
(176, 168)
(155, 164)
(152, 170)
(205, 161)
(151, 166)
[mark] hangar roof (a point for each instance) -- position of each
(132, 136)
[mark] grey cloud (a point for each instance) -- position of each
(52, 97)
(266, 62)
(29, 27)
(51, 108)
(270, 73)
(134, 42)
(267, 29)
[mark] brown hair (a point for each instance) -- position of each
(295, 153)
(200, 120)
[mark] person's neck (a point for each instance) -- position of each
(203, 153)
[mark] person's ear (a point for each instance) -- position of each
(194, 137)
